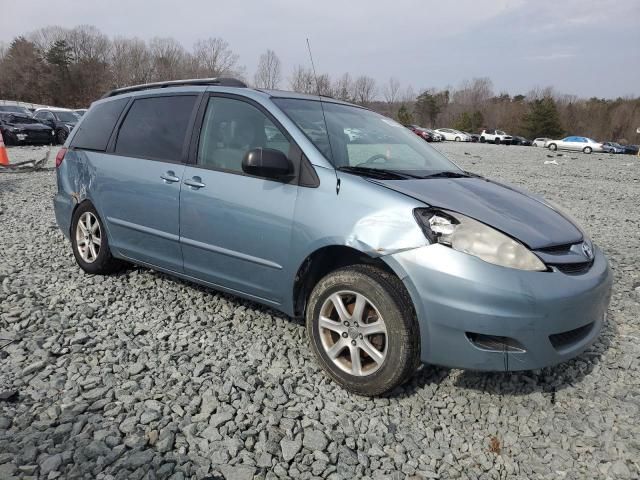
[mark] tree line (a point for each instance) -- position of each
(72, 67)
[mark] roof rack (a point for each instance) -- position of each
(220, 81)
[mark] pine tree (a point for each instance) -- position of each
(404, 115)
(543, 119)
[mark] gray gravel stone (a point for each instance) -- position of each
(314, 440)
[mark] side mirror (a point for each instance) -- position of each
(267, 162)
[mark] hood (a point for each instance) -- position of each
(29, 126)
(510, 210)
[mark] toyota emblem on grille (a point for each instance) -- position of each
(587, 250)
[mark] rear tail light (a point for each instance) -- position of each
(60, 156)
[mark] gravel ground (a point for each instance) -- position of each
(121, 377)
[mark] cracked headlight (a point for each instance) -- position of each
(475, 238)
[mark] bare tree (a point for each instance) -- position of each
(343, 88)
(213, 58)
(131, 62)
(364, 89)
(409, 95)
(391, 90)
(302, 80)
(268, 75)
(168, 58)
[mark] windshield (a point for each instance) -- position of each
(364, 139)
(16, 109)
(21, 119)
(70, 117)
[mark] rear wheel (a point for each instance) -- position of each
(89, 242)
(457, 139)
(553, 147)
(482, 139)
(587, 150)
(363, 329)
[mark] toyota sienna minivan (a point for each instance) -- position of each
(328, 211)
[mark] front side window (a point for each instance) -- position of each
(230, 129)
(356, 137)
(156, 127)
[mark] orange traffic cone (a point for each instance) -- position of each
(4, 159)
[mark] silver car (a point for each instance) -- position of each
(577, 144)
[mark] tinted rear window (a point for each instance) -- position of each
(96, 127)
(155, 127)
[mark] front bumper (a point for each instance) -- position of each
(554, 316)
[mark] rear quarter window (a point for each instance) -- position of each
(98, 123)
(155, 127)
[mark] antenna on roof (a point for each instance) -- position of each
(324, 117)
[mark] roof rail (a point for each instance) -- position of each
(220, 81)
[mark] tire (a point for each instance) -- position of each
(61, 136)
(9, 139)
(482, 139)
(97, 258)
(587, 150)
(553, 147)
(397, 349)
(457, 139)
(497, 141)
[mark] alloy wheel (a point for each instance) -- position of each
(353, 333)
(88, 237)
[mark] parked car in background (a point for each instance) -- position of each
(391, 253)
(62, 120)
(421, 132)
(453, 135)
(473, 136)
(518, 140)
(631, 149)
(578, 144)
(613, 147)
(437, 137)
(20, 129)
(80, 112)
(495, 136)
(540, 142)
(15, 109)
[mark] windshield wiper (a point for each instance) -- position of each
(447, 174)
(378, 172)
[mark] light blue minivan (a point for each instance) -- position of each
(329, 211)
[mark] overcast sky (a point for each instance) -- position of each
(582, 47)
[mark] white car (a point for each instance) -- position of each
(495, 136)
(540, 142)
(578, 144)
(453, 135)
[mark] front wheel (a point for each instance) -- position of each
(363, 329)
(61, 136)
(497, 141)
(553, 147)
(587, 150)
(89, 242)
(457, 139)
(482, 139)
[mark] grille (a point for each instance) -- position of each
(557, 248)
(573, 268)
(570, 337)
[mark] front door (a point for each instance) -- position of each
(235, 229)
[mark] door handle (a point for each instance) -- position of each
(169, 177)
(194, 183)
